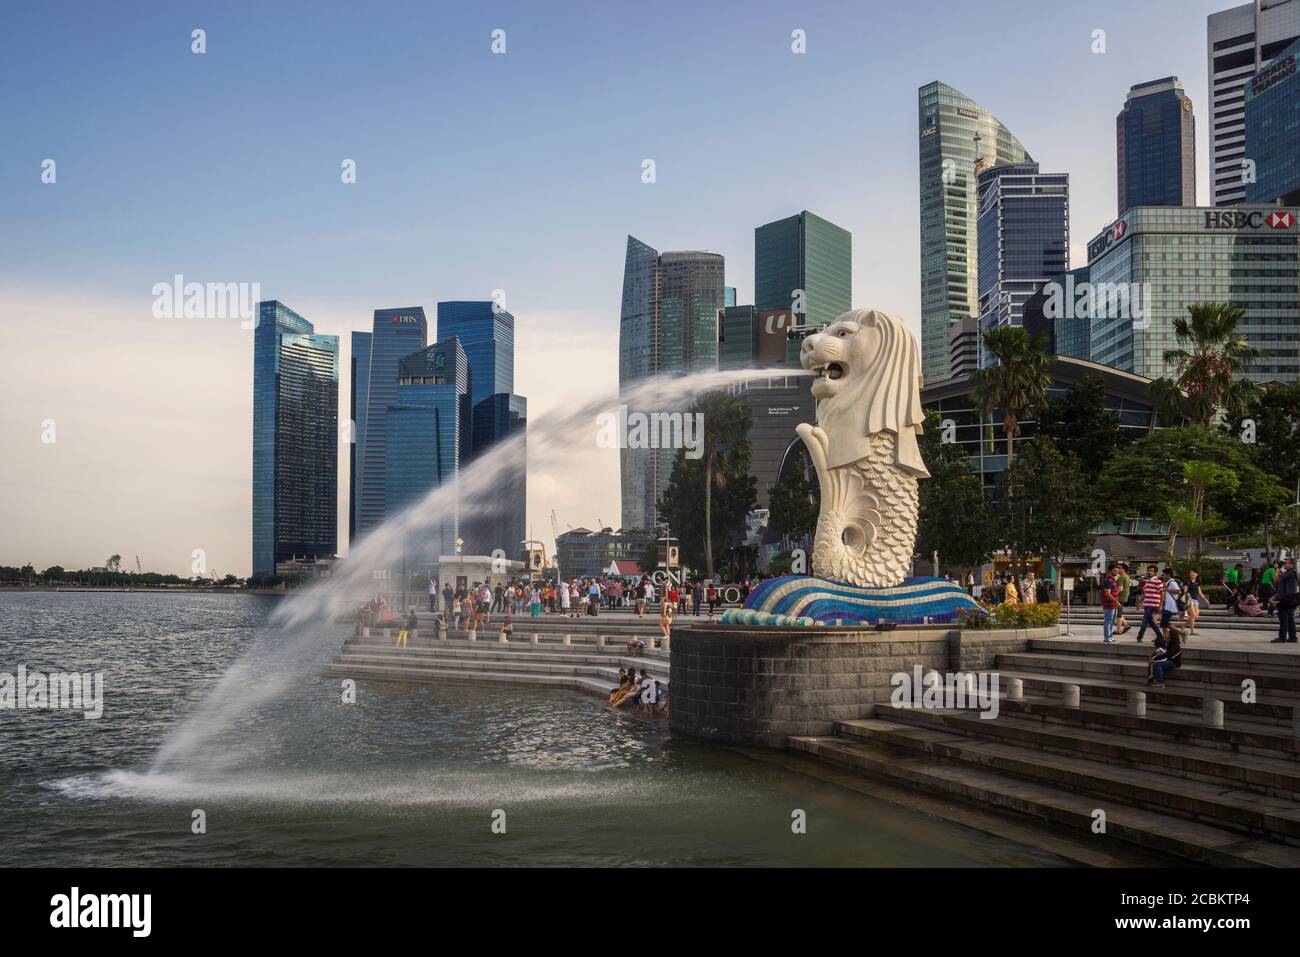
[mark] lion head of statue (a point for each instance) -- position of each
(868, 381)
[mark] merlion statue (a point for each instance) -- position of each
(868, 393)
(864, 447)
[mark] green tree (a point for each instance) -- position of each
(1270, 421)
(1147, 477)
(953, 519)
(1193, 518)
(1050, 506)
(1079, 423)
(1210, 361)
(707, 498)
(54, 573)
(793, 503)
(1017, 383)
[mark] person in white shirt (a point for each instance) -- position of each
(1173, 588)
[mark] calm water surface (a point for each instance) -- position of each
(408, 775)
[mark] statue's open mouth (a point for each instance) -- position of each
(832, 370)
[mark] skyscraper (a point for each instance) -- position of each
(668, 326)
(396, 333)
(1153, 261)
(1273, 130)
(1155, 146)
(804, 263)
(1024, 240)
(487, 334)
(295, 439)
(1240, 42)
(427, 433)
(959, 138)
(360, 369)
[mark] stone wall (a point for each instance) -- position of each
(743, 685)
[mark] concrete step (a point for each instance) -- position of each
(1275, 776)
(1266, 738)
(1216, 617)
(1267, 655)
(606, 673)
(1275, 709)
(1265, 677)
(1249, 812)
(491, 651)
(1133, 824)
(485, 651)
(429, 675)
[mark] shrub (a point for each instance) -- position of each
(1215, 594)
(1013, 615)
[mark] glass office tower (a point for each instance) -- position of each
(1240, 41)
(1155, 146)
(808, 253)
(1155, 261)
(1273, 130)
(395, 334)
(668, 326)
(427, 430)
(1024, 240)
(958, 139)
(295, 439)
(487, 333)
(360, 367)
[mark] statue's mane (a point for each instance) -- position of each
(885, 396)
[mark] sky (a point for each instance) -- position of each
(475, 171)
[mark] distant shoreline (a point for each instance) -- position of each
(145, 590)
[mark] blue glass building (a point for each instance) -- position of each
(1024, 240)
(396, 333)
(426, 435)
(487, 334)
(1272, 103)
(1155, 144)
(295, 439)
(360, 367)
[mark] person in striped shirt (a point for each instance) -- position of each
(1152, 596)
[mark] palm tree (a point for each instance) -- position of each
(1018, 382)
(1210, 359)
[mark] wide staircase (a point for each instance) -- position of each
(1198, 770)
(1212, 620)
(583, 654)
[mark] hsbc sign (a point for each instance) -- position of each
(1108, 237)
(1249, 219)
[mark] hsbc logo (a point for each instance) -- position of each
(1249, 219)
(1109, 237)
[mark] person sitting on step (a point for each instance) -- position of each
(1170, 660)
(635, 645)
(626, 685)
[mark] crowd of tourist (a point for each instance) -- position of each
(1164, 598)
(583, 596)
